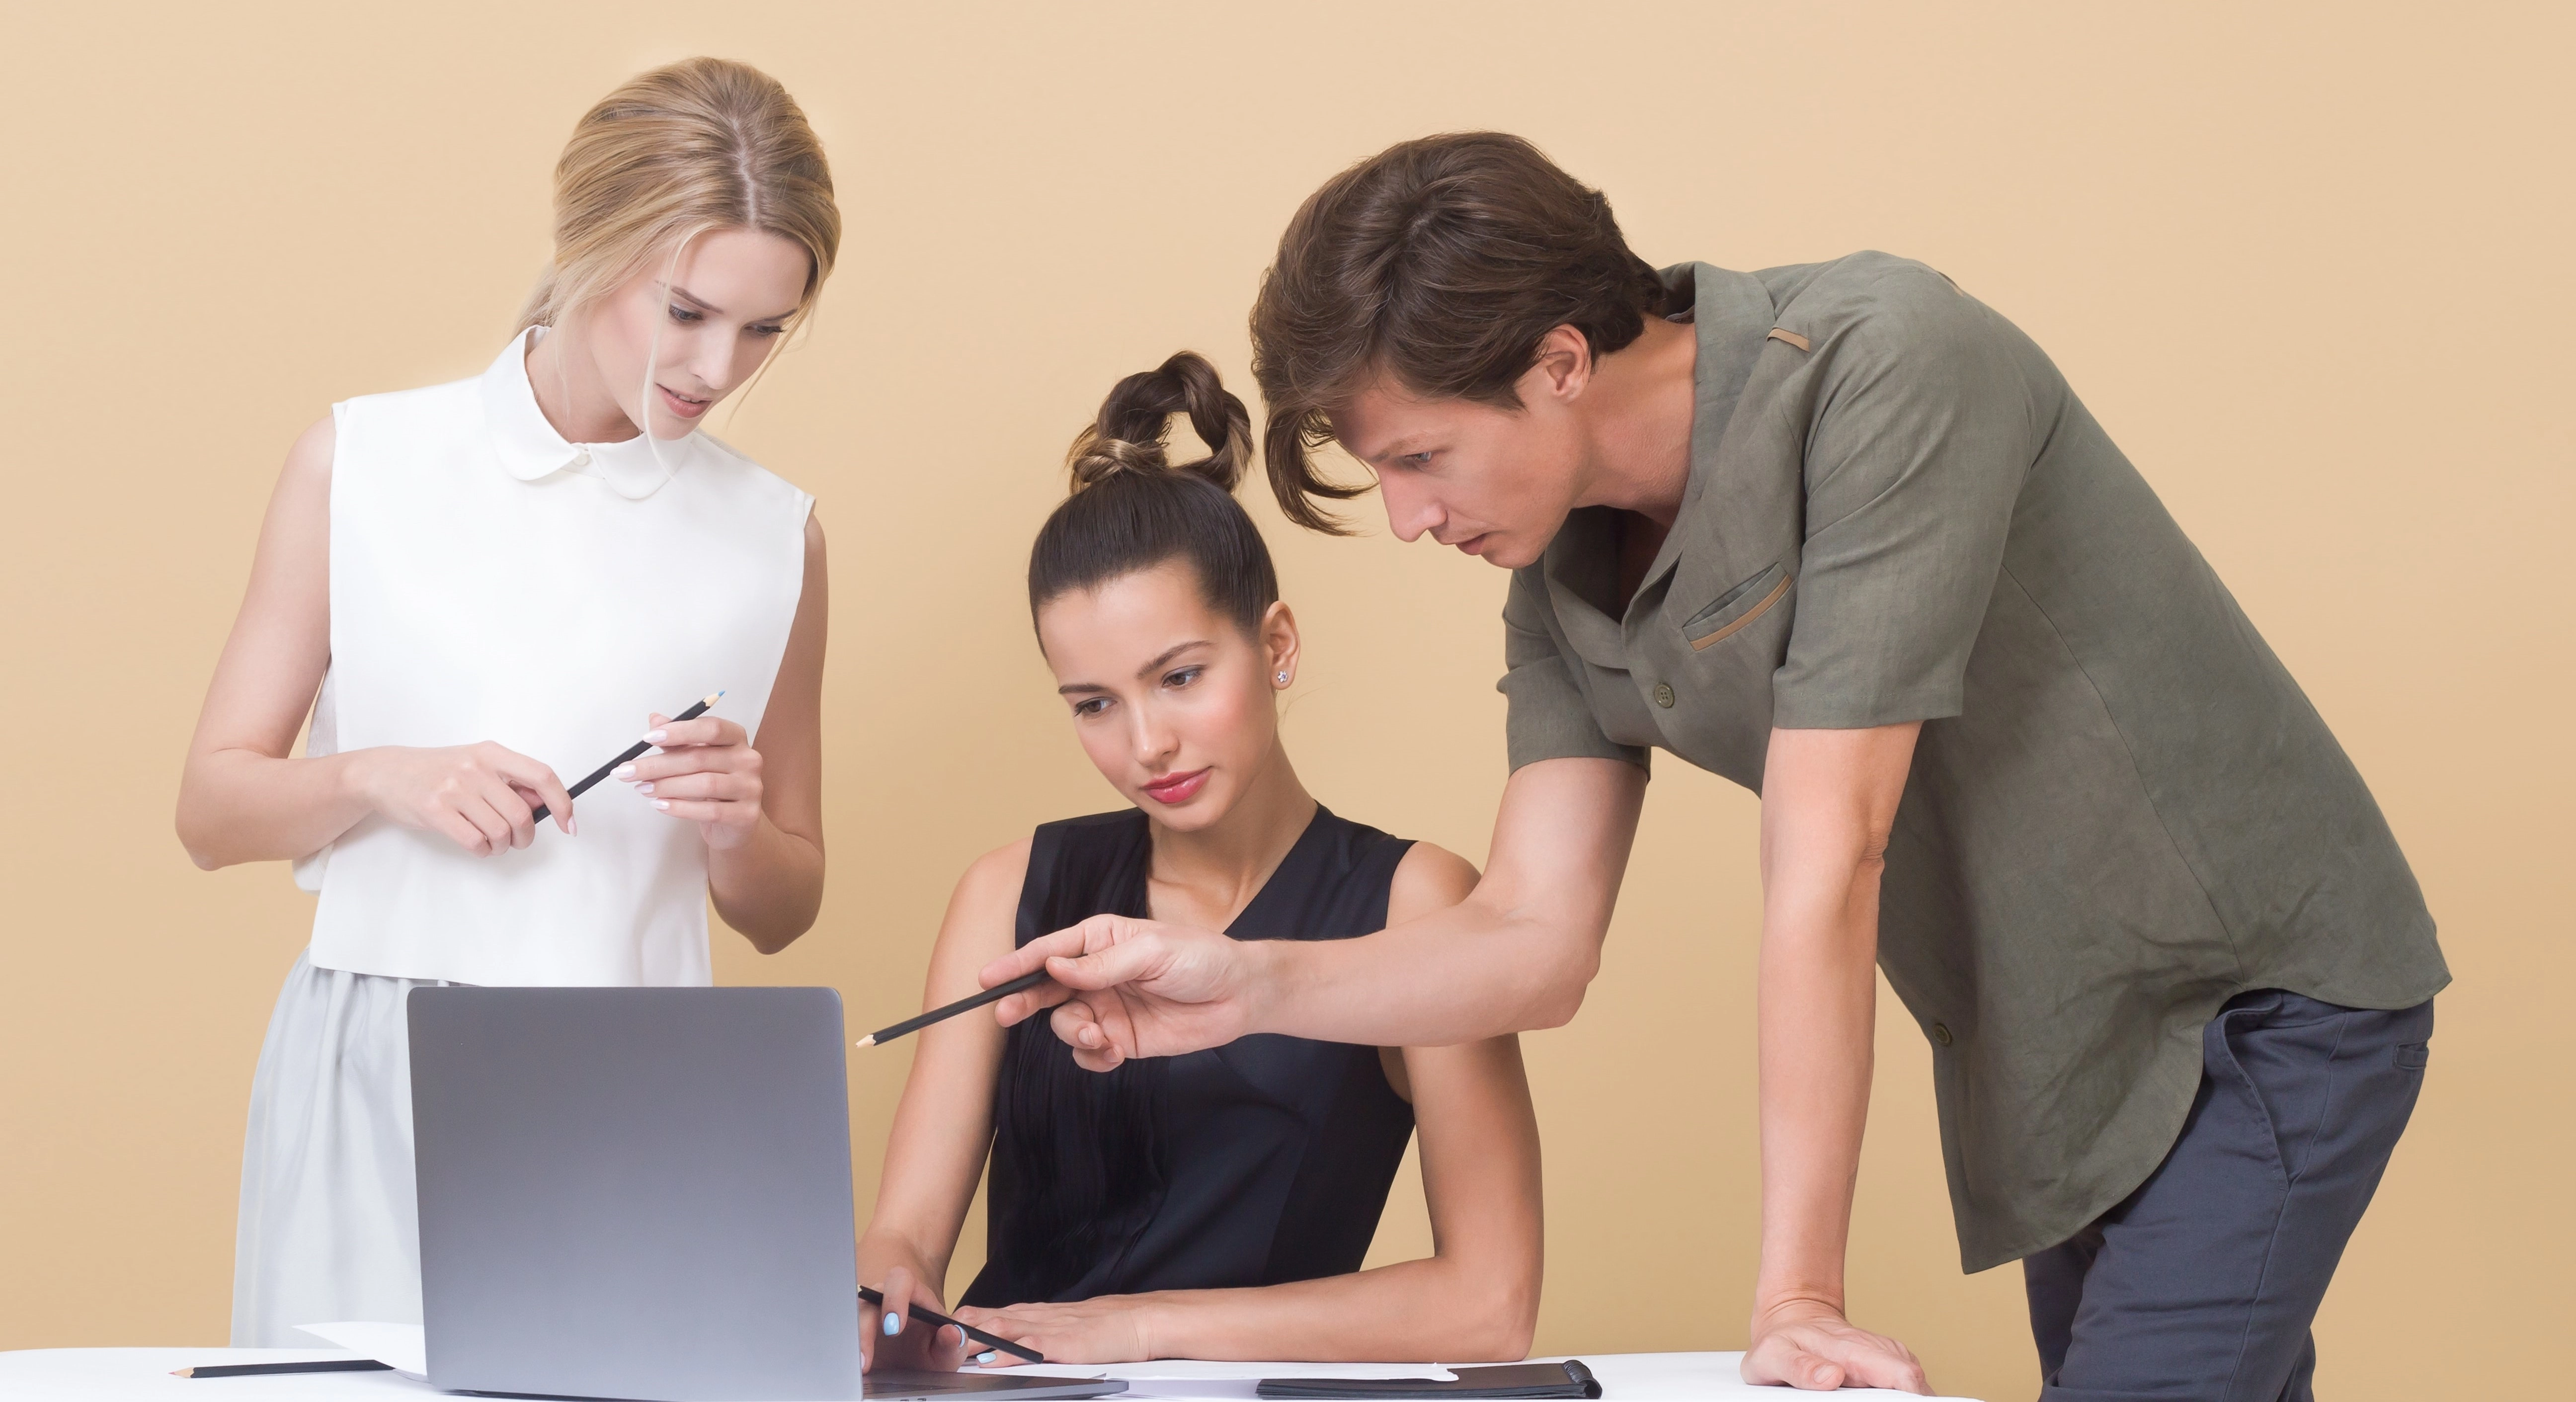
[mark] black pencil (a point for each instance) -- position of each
(626, 754)
(922, 1314)
(315, 1365)
(994, 994)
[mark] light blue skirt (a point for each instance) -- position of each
(330, 1224)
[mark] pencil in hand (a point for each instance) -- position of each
(923, 1314)
(626, 754)
(994, 994)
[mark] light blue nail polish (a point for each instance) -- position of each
(893, 1324)
(987, 1356)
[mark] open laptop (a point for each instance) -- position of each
(645, 1193)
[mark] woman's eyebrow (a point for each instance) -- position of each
(702, 304)
(693, 299)
(1166, 655)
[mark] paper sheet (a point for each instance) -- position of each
(1195, 1370)
(401, 1347)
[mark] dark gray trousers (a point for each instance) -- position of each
(2202, 1283)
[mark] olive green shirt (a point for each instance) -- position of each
(2122, 811)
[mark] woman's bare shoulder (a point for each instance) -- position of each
(998, 872)
(1430, 877)
(308, 460)
(984, 907)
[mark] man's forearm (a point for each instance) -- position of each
(1818, 1001)
(1458, 975)
(1513, 957)
(1829, 803)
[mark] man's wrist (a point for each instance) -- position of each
(1782, 1304)
(1273, 978)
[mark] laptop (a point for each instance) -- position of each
(644, 1193)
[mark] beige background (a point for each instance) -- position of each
(2309, 265)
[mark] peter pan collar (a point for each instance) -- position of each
(529, 448)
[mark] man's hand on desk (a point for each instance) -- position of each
(1810, 1345)
(1128, 987)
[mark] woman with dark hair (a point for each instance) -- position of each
(1214, 1205)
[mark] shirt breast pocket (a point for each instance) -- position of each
(1736, 609)
(1727, 653)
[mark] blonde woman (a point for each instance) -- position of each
(480, 588)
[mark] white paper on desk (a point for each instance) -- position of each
(401, 1347)
(1196, 1370)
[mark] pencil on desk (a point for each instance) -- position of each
(626, 754)
(994, 994)
(312, 1365)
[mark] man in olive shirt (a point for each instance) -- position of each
(1842, 534)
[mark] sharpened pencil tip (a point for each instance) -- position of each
(869, 1040)
(183, 1372)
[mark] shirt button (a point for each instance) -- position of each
(1941, 1033)
(1664, 695)
(581, 457)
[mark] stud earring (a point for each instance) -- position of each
(1283, 679)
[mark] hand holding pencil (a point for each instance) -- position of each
(1126, 987)
(706, 772)
(485, 798)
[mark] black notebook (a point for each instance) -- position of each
(1567, 1379)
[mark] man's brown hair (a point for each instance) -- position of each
(1438, 265)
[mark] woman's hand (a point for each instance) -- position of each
(913, 1344)
(706, 772)
(482, 797)
(1103, 1329)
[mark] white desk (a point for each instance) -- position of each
(143, 1375)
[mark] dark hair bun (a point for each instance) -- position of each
(1136, 417)
(1131, 509)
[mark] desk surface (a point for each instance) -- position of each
(143, 1375)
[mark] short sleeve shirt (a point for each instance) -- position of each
(2122, 811)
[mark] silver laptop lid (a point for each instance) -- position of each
(636, 1192)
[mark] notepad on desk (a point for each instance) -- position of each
(1567, 1379)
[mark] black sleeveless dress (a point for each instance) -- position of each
(1257, 1163)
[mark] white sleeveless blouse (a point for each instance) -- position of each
(490, 581)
